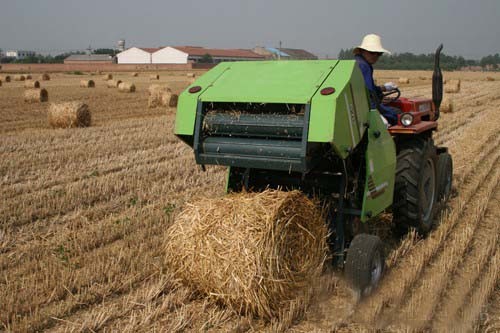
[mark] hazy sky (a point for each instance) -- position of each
(466, 27)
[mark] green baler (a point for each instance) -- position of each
(300, 125)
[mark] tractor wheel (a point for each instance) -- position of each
(445, 176)
(415, 189)
(365, 263)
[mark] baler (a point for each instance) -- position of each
(308, 125)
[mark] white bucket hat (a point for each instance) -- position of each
(371, 43)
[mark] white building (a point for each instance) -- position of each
(170, 55)
(136, 55)
(18, 54)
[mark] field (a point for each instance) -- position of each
(83, 213)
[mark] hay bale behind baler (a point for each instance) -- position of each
(36, 96)
(254, 252)
(69, 114)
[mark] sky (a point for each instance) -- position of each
(465, 27)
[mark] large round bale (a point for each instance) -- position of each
(87, 83)
(161, 96)
(45, 77)
(154, 77)
(107, 77)
(447, 105)
(36, 95)
(6, 78)
(19, 77)
(253, 252)
(404, 80)
(113, 83)
(30, 84)
(169, 99)
(126, 87)
(452, 86)
(69, 114)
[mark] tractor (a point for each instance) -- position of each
(308, 125)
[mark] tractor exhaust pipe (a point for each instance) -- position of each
(437, 83)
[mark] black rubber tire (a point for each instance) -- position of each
(445, 176)
(365, 263)
(416, 173)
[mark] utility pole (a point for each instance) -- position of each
(279, 52)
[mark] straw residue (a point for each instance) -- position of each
(87, 84)
(69, 114)
(36, 95)
(126, 87)
(253, 252)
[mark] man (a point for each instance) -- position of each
(366, 55)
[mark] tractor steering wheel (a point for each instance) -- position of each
(386, 99)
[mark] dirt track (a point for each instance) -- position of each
(83, 212)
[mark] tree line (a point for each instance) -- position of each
(48, 59)
(412, 61)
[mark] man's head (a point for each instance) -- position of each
(371, 48)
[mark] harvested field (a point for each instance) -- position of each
(84, 214)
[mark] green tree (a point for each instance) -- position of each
(206, 59)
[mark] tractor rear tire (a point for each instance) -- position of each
(415, 189)
(445, 176)
(365, 263)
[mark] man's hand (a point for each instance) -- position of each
(389, 86)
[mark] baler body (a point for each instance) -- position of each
(291, 124)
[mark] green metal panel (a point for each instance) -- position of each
(339, 118)
(186, 106)
(269, 81)
(380, 168)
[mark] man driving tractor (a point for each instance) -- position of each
(366, 55)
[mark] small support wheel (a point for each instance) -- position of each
(445, 176)
(365, 263)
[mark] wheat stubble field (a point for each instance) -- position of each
(83, 214)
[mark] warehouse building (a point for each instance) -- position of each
(89, 59)
(136, 55)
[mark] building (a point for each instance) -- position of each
(136, 55)
(299, 54)
(18, 54)
(284, 53)
(183, 55)
(89, 59)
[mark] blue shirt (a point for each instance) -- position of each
(367, 71)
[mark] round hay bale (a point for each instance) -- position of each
(154, 77)
(30, 84)
(447, 105)
(87, 84)
(135, 74)
(0, 83)
(107, 77)
(6, 78)
(19, 78)
(452, 87)
(169, 99)
(489, 78)
(29, 77)
(36, 95)
(113, 83)
(69, 114)
(404, 80)
(191, 75)
(45, 77)
(253, 252)
(126, 87)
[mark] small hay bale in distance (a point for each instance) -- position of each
(447, 105)
(113, 83)
(6, 78)
(126, 87)
(36, 96)
(135, 74)
(87, 83)
(45, 77)
(29, 77)
(69, 115)
(30, 84)
(253, 252)
(19, 78)
(0, 83)
(489, 78)
(190, 75)
(404, 80)
(107, 77)
(154, 77)
(452, 86)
